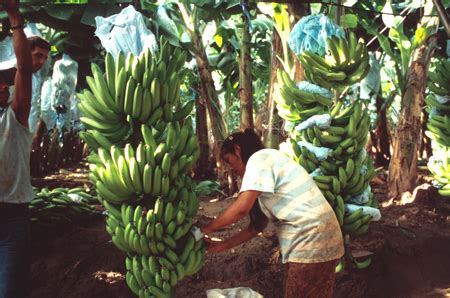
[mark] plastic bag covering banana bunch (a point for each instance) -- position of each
(439, 124)
(322, 121)
(142, 144)
(346, 172)
(311, 32)
(64, 81)
(125, 32)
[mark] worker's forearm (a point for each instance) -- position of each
(229, 216)
(240, 238)
(240, 208)
(14, 16)
(20, 42)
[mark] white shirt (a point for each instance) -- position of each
(307, 228)
(15, 147)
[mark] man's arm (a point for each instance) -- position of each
(240, 208)
(235, 240)
(22, 91)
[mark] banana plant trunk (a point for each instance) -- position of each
(202, 169)
(212, 103)
(297, 10)
(380, 139)
(245, 79)
(211, 99)
(273, 134)
(425, 146)
(37, 151)
(403, 167)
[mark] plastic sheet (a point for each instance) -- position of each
(64, 80)
(374, 212)
(370, 85)
(35, 110)
(240, 292)
(75, 114)
(321, 121)
(125, 32)
(48, 115)
(315, 89)
(7, 56)
(311, 32)
(316, 172)
(362, 198)
(442, 99)
(321, 153)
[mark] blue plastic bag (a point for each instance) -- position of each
(311, 33)
(315, 89)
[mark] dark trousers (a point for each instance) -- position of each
(15, 252)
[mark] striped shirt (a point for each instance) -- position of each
(306, 225)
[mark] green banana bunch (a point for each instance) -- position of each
(60, 205)
(439, 166)
(157, 275)
(346, 172)
(341, 176)
(346, 64)
(132, 89)
(439, 129)
(439, 124)
(141, 152)
(294, 104)
(439, 80)
(207, 187)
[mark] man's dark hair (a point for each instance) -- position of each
(248, 141)
(38, 42)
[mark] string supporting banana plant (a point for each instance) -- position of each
(439, 124)
(142, 146)
(328, 137)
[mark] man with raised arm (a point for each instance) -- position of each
(15, 183)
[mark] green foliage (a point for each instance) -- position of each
(349, 21)
(207, 187)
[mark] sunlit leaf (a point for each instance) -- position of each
(350, 2)
(406, 44)
(390, 20)
(219, 40)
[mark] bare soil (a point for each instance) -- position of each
(410, 247)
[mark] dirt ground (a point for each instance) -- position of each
(410, 247)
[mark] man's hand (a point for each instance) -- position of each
(9, 5)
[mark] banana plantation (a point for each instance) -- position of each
(136, 101)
